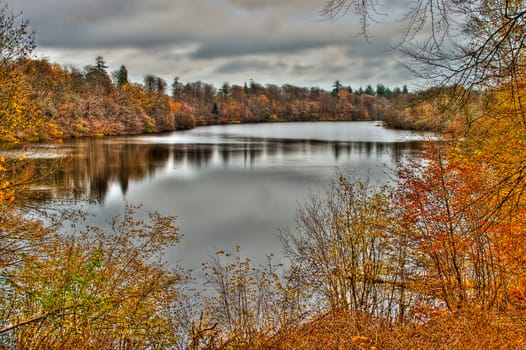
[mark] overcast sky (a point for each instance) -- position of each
(270, 41)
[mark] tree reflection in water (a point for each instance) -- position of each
(94, 165)
(224, 189)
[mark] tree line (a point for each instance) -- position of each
(91, 101)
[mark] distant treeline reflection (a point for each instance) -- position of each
(96, 165)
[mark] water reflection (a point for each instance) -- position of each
(96, 165)
(227, 185)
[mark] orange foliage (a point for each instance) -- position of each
(464, 208)
(343, 94)
(21, 119)
(175, 106)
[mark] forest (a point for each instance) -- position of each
(434, 260)
(92, 102)
(45, 101)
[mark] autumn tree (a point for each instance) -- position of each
(347, 253)
(484, 52)
(456, 249)
(464, 207)
(61, 291)
(94, 290)
(20, 117)
(17, 40)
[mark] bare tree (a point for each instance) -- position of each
(470, 42)
(17, 40)
(345, 250)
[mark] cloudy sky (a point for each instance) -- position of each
(270, 41)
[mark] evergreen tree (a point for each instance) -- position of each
(381, 90)
(121, 76)
(98, 75)
(369, 90)
(100, 64)
(215, 110)
(388, 93)
(337, 86)
(245, 89)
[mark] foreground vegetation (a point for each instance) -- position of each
(436, 259)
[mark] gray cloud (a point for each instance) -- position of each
(248, 66)
(274, 41)
(276, 6)
(247, 46)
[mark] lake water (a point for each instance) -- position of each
(228, 185)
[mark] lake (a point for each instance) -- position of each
(227, 185)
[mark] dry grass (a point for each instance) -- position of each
(344, 330)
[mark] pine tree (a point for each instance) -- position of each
(100, 64)
(245, 89)
(121, 76)
(337, 86)
(381, 90)
(215, 109)
(369, 90)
